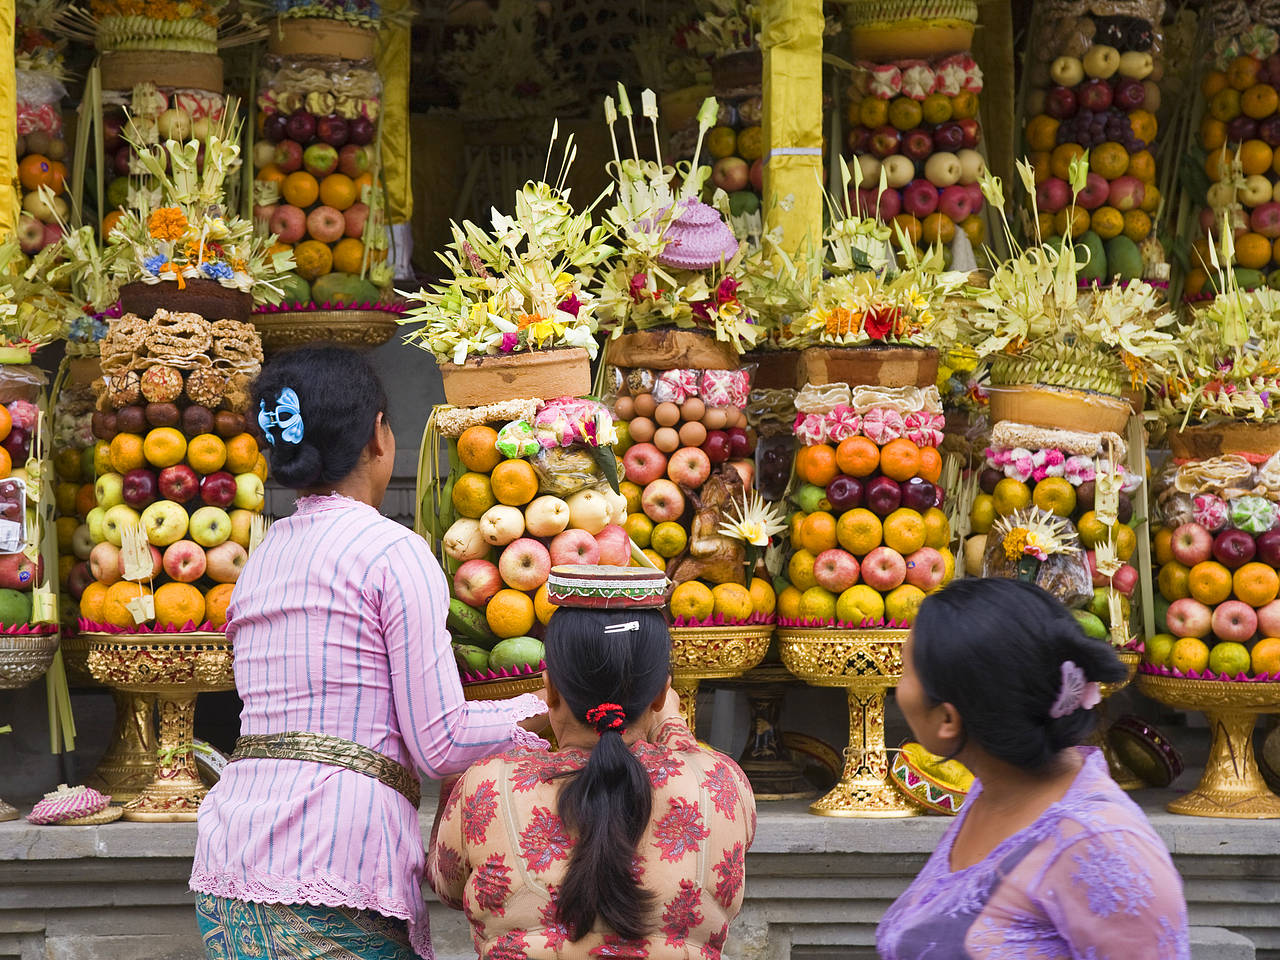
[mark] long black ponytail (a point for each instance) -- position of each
(609, 667)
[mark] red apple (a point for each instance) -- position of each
(884, 569)
(81, 576)
(920, 198)
(884, 141)
(1053, 195)
(1129, 95)
(1126, 579)
(1191, 544)
(1189, 618)
(643, 463)
(361, 130)
(615, 546)
(17, 572)
(288, 156)
(836, 570)
(1268, 550)
(301, 126)
(218, 489)
(662, 500)
(1096, 191)
(917, 144)
(844, 493)
(333, 130)
(575, 546)
(354, 218)
(320, 160)
(926, 569)
(1233, 549)
(524, 565)
(288, 223)
(1234, 620)
(354, 160)
(882, 496)
(179, 483)
(476, 582)
(1095, 94)
(225, 561)
(970, 132)
(717, 446)
(1269, 619)
(730, 174)
(104, 562)
(756, 174)
(948, 136)
(1060, 103)
(956, 203)
(918, 494)
(326, 224)
(184, 561)
(689, 467)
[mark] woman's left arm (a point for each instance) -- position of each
(1115, 894)
(444, 732)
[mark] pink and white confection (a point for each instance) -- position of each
(726, 388)
(1021, 464)
(68, 803)
(880, 425)
(810, 429)
(886, 81)
(1078, 469)
(924, 429)
(1210, 512)
(675, 386)
(24, 414)
(841, 423)
(918, 79)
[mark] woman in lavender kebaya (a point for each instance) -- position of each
(309, 846)
(1049, 858)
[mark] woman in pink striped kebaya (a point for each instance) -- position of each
(309, 847)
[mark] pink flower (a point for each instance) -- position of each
(638, 283)
(510, 340)
(879, 322)
(727, 291)
(571, 305)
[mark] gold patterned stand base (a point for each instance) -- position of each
(7, 812)
(1231, 785)
(866, 663)
(174, 668)
(766, 760)
(358, 329)
(504, 688)
(712, 653)
(1125, 778)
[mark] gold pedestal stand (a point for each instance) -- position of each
(866, 663)
(130, 761)
(175, 668)
(1231, 785)
(1125, 778)
(504, 688)
(712, 653)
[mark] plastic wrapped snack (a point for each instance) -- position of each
(517, 440)
(1043, 549)
(570, 420)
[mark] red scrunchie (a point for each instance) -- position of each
(607, 716)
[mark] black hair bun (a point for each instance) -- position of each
(296, 465)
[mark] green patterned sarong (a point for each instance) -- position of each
(236, 930)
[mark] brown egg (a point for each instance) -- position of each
(715, 419)
(667, 440)
(667, 414)
(742, 419)
(645, 405)
(693, 409)
(624, 408)
(642, 429)
(692, 434)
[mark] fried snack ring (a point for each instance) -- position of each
(181, 335)
(904, 400)
(1213, 476)
(822, 398)
(1006, 433)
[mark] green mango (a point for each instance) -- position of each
(471, 659)
(1096, 268)
(1248, 279)
(296, 290)
(343, 288)
(1124, 261)
(743, 202)
(517, 652)
(15, 608)
(1091, 624)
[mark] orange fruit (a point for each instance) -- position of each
(1213, 81)
(1255, 157)
(92, 601)
(1137, 225)
(859, 531)
(314, 259)
(178, 604)
(1258, 101)
(510, 613)
(1064, 153)
(1264, 657)
(857, 456)
(364, 180)
(6, 422)
(817, 464)
(57, 179)
(1042, 133)
(1109, 159)
(910, 225)
(1256, 584)
(348, 255)
(1172, 581)
(1162, 546)
(514, 482)
(904, 531)
(207, 453)
(1040, 161)
(1225, 105)
(818, 532)
(477, 449)
(938, 228)
(763, 598)
(964, 104)
(215, 604)
(800, 570)
(937, 529)
(1143, 123)
(1253, 250)
(271, 173)
(337, 190)
(279, 248)
(1242, 73)
(542, 607)
(1209, 582)
(1143, 166)
(793, 525)
(1107, 222)
(873, 112)
(6, 463)
(242, 453)
(789, 603)
(1275, 250)
(86, 499)
(930, 464)
(164, 447)
(1217, 165)
(34, 172)
(1150, 199)
(473, 495)
(732, 601)
(1071, 219)
(1213, 133)
(113, 606)
(126, 452)
(300, 189)
(109, 222)
(260, 468)
(900, 459)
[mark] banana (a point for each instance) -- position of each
(469, 624)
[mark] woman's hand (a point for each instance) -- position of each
(540, 723)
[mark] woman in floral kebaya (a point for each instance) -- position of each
(628, 841)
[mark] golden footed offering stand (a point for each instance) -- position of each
(1231, 785)
(1125, 778)
(866, 663)
(130, 761)
(175, 668)
(712, 653)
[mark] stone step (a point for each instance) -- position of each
(1217, 943)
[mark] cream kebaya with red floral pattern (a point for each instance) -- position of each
(501, 852)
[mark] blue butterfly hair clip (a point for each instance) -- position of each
(287, 416)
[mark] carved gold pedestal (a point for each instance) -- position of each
(1231, 785)
(866, 663)
(130, 761)
(766, 760)
(1125, 778)
(712, 653)
(175, 668)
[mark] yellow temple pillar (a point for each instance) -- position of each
(8, 124)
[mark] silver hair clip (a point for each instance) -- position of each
(623, 627)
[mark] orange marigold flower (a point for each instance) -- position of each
(841, 321)
(167, 223)
(527, 319)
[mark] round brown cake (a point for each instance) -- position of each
(206, 297)
(596, 587)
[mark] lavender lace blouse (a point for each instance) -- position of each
(1089, 880)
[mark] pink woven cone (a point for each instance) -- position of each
(66, 803)
(697, 239)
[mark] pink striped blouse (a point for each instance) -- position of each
(338, 626)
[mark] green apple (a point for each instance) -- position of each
(210, 526)
(164, 522)
(249, 492)
(1091, 624)
(109, 490)
(120, 518)
(810, 498)
(95, 521)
